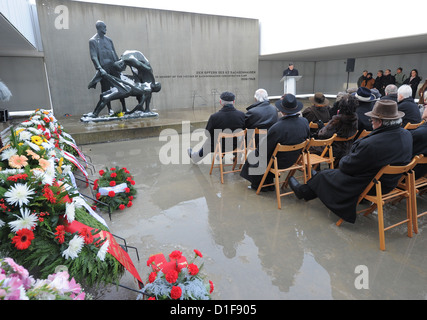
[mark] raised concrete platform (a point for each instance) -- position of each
(130, 129)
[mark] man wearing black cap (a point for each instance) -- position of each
(228, 118)
(289, 130)
(291, 71)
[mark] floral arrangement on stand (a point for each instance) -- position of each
(46, 133)
(176, 279)
(115, 189)
(16, 283)
(40, 207)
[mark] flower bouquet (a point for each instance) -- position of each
(176, 279)
(38, 205)
(17, 284)
(115, 189)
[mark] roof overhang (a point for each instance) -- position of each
(13, 43)
(384, 47)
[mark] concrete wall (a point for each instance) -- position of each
(194, 56)
(26, 79)
(331, 77)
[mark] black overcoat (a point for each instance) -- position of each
(339, 189)
(363, 120)
(261, 115)
(228, 117)
(288, 130)
(411, 110)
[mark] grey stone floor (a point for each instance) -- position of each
(251, 249)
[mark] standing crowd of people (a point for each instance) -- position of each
(383, 111)
(385, 77)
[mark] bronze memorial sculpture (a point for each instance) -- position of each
(115, 85)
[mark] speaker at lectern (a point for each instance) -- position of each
(290, 84)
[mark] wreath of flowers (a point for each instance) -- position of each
(38, 200)
(115, 189)
(176, 279)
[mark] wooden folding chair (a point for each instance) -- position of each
(363, 134)
(346, 139)
(314, 125)
(252, 140)
(238, 152)
(314, 160)
(420, 185)
(410, 126)
(273, 167)
(379, 200)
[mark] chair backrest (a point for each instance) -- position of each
(345, 139)
(363, 134)
(255, 132)
(287, 148)
(239, 135)
(321, 142)
(314, 125)
(389, 169)
(410, 126)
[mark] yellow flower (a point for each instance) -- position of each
(17, 132)
(120, 114)
(37, 140)
(61, 161)
(18, 162)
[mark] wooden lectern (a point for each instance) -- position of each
(290, 84)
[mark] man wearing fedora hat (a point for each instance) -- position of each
(366, 102)
(340, 188)
(319, 110)
(289, 130)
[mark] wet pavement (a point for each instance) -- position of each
(251, 249)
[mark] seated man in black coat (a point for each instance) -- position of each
(261, 114)
(228, 118)
(388, 143)
(289, 130)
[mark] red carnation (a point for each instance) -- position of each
(197, 252)
(193, 269)
(122, 207)
(127, 190)
(101, 172)
(175, 254)
(176, 293)
(171, 276)
(211, 285)
(130, 204)
(112, 183)
(113, 175)
(111, 194)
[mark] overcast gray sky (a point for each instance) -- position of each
(303, 24)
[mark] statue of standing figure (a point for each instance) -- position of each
(103, 56)
(140, 84)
